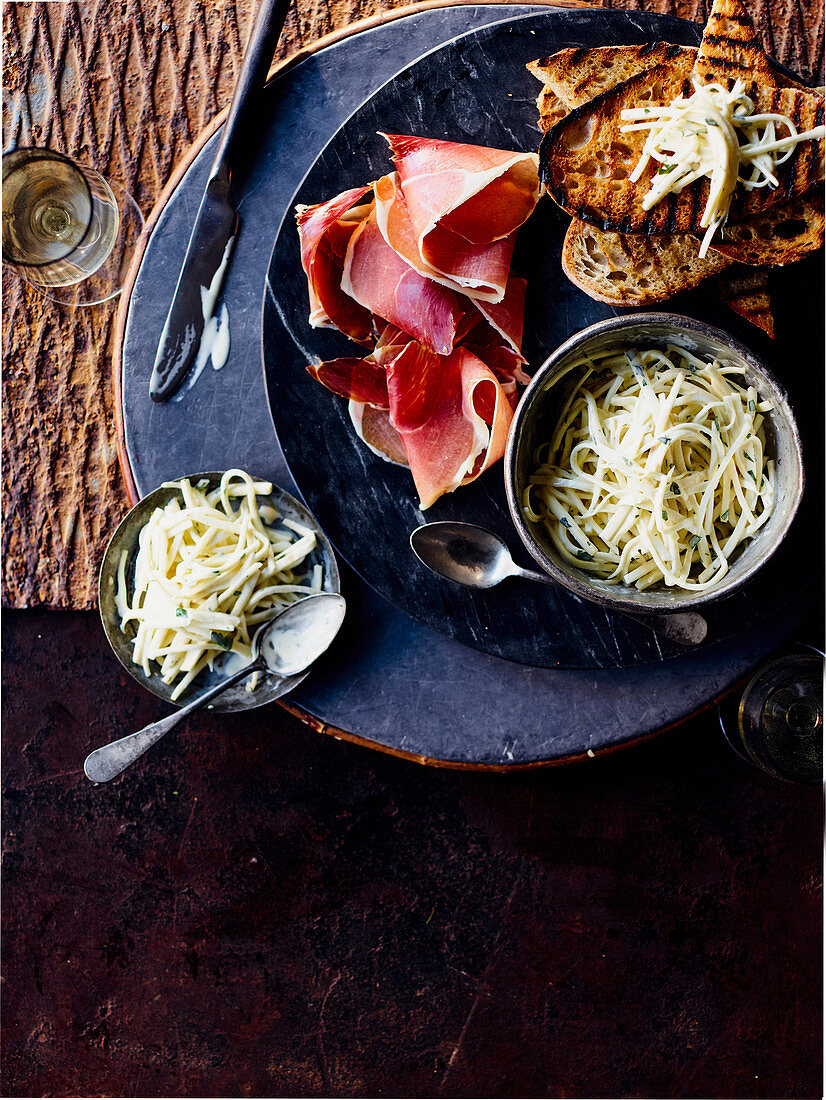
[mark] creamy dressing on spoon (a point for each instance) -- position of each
(302, 638)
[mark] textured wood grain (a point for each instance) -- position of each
(127, 86)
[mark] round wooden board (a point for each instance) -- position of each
(391, 683)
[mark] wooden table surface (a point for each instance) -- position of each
(127, 86)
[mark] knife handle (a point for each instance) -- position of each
(266, 30)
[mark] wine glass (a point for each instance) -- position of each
(67, 230)
(777, 723)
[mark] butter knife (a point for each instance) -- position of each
(216, 226)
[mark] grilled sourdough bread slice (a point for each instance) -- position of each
(635, 270)
(731, 49)
(578, 75)
(783, 234)
(586, 158)
(632, 269)
(745, 290)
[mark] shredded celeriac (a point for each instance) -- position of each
(713, 133)
(656, 471)
(207, 573)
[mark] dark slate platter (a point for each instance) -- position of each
(477, 90)
(389, 682)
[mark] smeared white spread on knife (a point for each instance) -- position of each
(207, 573)
(214, 342)
(656, 471)
(714, 134)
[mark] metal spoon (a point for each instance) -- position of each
(471, 555)
(284, 646)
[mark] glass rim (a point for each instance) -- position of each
(77, 167)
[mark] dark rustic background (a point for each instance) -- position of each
(259, 910)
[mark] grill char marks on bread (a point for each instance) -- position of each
(579, 75)
(730, 50)
(745, 290)
(781, 235)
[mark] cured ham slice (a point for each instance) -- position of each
(374, 429)
(487, 345)
(361, 380)
(379, 279)
(479, 271)
(325, 230)
(508, 316)
(451, 414)
(459, 196)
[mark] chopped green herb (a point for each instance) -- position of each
(202, 484)
(565, 522)
(583, 555)
(752, 407)
(627, 461)
(664, 169)
(222, 640)
(753, 475)
(181, 613)
(665, 515)
(724, 516)
(711, 122)
(675, 488)
(694, 541)
(664, 439)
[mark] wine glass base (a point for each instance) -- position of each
(108, 280)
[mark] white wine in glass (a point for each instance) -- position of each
(63, 225)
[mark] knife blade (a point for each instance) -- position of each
(216, 227)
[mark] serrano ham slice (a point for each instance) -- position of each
(508, 316)
(325, 230)
(360, 380)
(452, 415)
(379, 279)
(479, 271)
(374, 429)
(460, 196)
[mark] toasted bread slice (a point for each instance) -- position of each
(745, 290)
(586, 159)
(578, 75)
(631, 269)
(730, 49)
(776, 237)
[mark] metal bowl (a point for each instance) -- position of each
(126, 538)
(536, 418)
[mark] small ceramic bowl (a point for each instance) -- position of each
(126, 538)
(536, 418)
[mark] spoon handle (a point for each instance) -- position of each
(531, 575)
(110, 760)
(683, 627)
